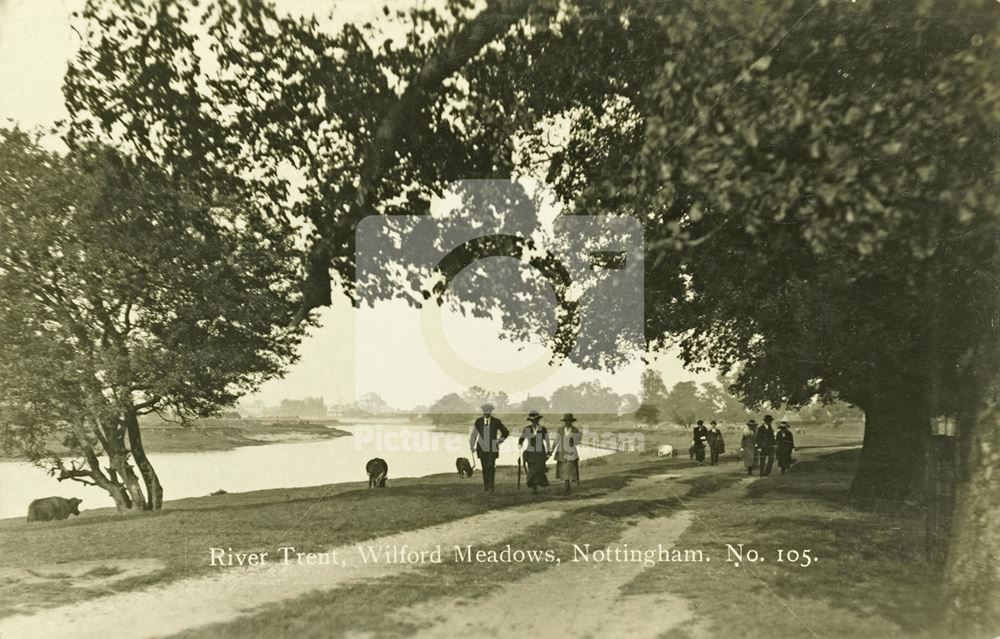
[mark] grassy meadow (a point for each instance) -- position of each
(868, 577)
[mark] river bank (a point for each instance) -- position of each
(221, 434)
(214, 435)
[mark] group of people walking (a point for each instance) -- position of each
(760, 444)
(709, 439)
(535, 447)
(759, 447)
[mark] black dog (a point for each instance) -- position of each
(378, 470)
(463, 467)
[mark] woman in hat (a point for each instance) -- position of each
(536, 452)
(565, 451)
(716, 443)
(700, 441)
(748, 446)
(785, 442)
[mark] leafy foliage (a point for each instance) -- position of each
(123, 293)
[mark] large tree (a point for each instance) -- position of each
(827, 227)
(122, 294)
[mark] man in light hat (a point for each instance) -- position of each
(536, 452)
(565, 451)
(488, 432)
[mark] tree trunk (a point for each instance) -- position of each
(129, 481)
(897, 431)
(972, 574)
(122, 500)
(154, 491)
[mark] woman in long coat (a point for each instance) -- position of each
(748, 446)
(536, 453)
(785, 445)
(565, 451)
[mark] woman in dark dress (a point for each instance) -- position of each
(785, 442)
(700, 441)
(716, 443)
(536, 452)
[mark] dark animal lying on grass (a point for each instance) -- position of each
(378, 470)
(53, 508)
(463, 467)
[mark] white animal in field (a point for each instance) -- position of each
(666, 450)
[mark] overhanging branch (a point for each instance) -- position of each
(463, 44)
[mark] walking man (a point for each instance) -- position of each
(487, 434)
(765, 444)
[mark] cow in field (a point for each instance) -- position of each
(666, 450)
(377, 470)
(53, 508)
(463, 467)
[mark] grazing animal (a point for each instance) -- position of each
(463, 467)
(53, 508)
(799, 431)
(666, 450)
(377, 470)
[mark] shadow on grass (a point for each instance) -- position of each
(870, 577)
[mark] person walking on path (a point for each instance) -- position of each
(700, 440)
(488, 432)
(536, 453)
(716, 443)
(765, 444)
(564, 449)
(785, 444)
(748, 446)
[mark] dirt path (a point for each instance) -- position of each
(191, 603)
(574, 599)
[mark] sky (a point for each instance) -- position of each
(385, 350)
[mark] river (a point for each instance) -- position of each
(409, 450)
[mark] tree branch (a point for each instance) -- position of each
(463, 44)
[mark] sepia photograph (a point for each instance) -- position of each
(665, 319)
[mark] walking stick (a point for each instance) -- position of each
(519, 470)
